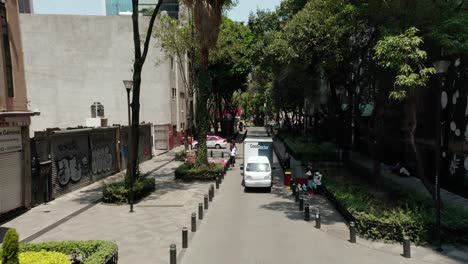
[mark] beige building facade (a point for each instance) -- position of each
(15, 158)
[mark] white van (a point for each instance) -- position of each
(257, 173)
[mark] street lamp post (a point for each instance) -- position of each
(441, 68)
(128, 86)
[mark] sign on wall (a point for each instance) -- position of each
(10, 139)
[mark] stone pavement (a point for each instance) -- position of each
(335, 225)
(143, 236)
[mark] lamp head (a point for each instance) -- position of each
(128, 85)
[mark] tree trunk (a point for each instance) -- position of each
(204, 87)
(135, 128)
(419, 161)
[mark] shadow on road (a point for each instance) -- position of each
(329, 215)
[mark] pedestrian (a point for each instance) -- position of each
(233, 155)
(232, 145)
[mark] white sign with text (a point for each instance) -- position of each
(10, 139)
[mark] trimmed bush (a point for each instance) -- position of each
(43, 257)
(307, 149)
(395, 214)
(117, 192)
(85, 252)
(189, 172)
(10, 247)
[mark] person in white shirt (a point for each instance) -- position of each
(233, 155)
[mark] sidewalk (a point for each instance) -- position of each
(44, 217)
(335, 225)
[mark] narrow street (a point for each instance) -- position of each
(259, 227)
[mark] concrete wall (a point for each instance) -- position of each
(73, 61)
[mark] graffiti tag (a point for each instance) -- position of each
(101, 160)
(71, 169)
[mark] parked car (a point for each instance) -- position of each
(212, 142)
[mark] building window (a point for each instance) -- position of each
(174, 93)
(7, 53)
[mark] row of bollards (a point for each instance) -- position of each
(352, 226)
(201, 206)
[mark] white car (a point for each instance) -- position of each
(212, 142)
(257, 173)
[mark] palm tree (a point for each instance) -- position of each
(207, 17)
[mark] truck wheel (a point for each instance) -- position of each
(246, 189)
(217, 146)
(269, 190)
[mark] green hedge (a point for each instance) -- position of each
(189, 172)
(306, 149)
(389, 216)
(43, 257)
(117, 192)
(85, 252)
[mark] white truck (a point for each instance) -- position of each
(257, 163)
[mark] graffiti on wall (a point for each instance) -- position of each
(71, 169)
(144, 143)
(103, 155)
(71, 157)
(102, 160)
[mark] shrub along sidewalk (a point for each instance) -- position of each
(391, 214)
(187, 172)
(63, 252)
(306, 149)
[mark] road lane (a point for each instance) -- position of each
(259, 227)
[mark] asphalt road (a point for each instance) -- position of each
(267, 228)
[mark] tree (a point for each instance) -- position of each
(402, 54)
(177, 41)
(10, 247)
(138, 62)
(229, 66)
(207, 17)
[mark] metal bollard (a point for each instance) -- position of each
(301, 204)
(307, 213)
(173, 254)
(210, 197)
(200, 211)
(205, 200)
(184, 237)
(317, 219)
(211, 153)
(222, 155)
(217, 182)
(406, 247)
(297, 197)
(194, 222)
(293, 186)
(352, 232)
(212, 191)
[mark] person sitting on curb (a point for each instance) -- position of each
(400, 170)
(314, 183)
